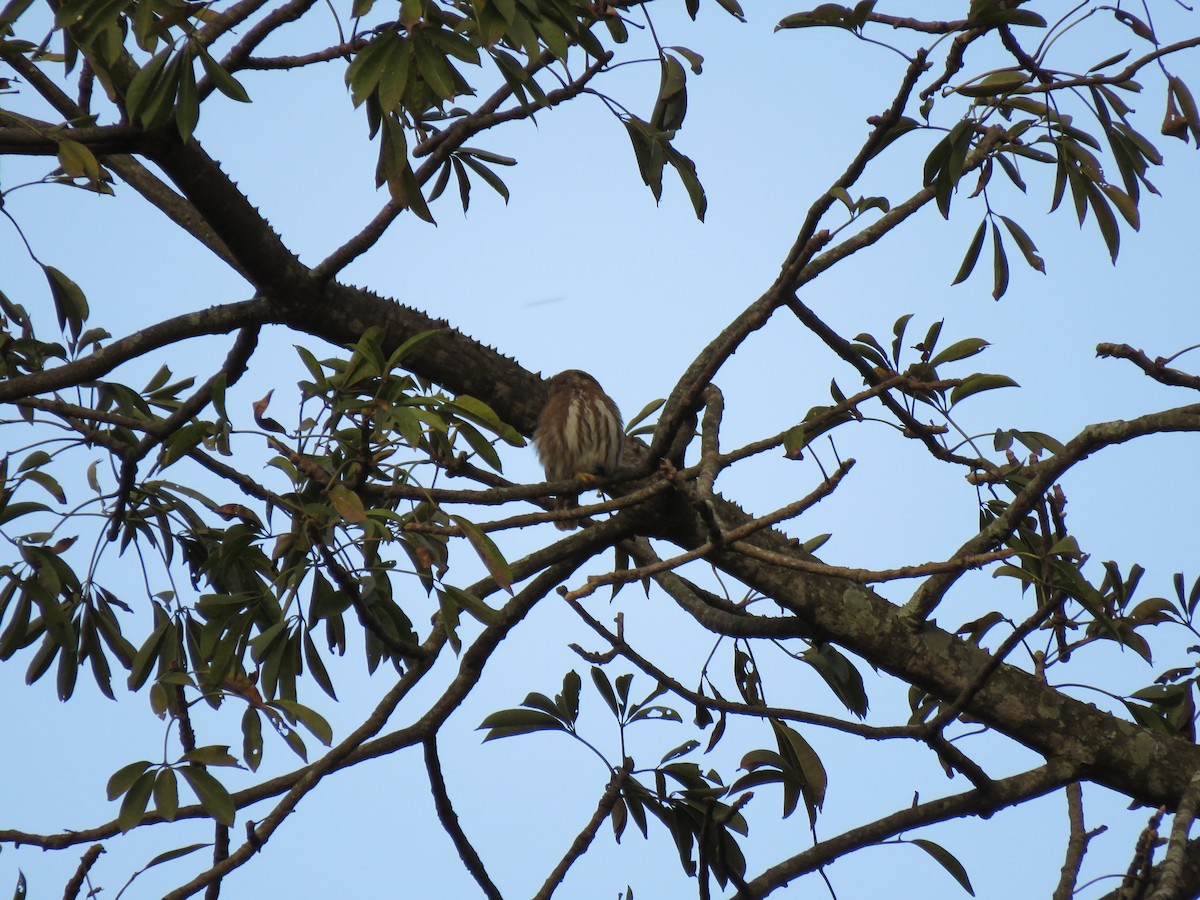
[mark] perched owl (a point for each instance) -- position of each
(578, 433)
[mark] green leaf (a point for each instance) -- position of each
(312, 720)
(435, 68)
(366, 69)
(509, 722)
(175, 854)
(648, 149)
(211, 755)
(140, 87)
(980, 381)
(487, 551)
(963, 349)
(212, 794)
(394, 75)
(947, 861)
(686, 170)
(841, 676)
(221, 79)
(999, 264)
(972, 255)
(1025, 244)
(1105, 219)
(471, 604)
(494, 181)
(69, 302)
(187, 104)
(125, 777)
(348, 504)
(605, 689)
(252, 743)
(996, 83)
(133, 807)
(166, 794)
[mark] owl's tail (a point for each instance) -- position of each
(566, 501)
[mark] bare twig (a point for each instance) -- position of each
(1077, 842)
(870, 576)
(220, 852)
(1155, 368)
(1039, 477)
(736, 534)
(1137, 876)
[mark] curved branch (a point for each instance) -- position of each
(233, 368)
(445, 811)
(1039, 477)
(1002, 793)
(214, 320)
(441, 146)
(1154, 368)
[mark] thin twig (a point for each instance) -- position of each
(792, 510)
(232, 370)
(583, 840)
(1077, 841)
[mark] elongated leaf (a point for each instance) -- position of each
(508, 722)
(1025, 244)
(972, 255)
(137, 798)
(999, 264)
(69, 302)
(973, 384)
(963, 349)
(212, 794)
(221, 80)
(125, 777)
(487, 551)
(166, 794)
(947, 861)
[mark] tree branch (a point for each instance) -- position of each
(449, 820)
(214, 320)
(583, 840)
(1155, 368)
(1000, 794)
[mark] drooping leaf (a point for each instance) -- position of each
(947, 861)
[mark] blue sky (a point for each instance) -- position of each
(581, 269)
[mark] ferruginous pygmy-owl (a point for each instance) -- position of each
(578, 433)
